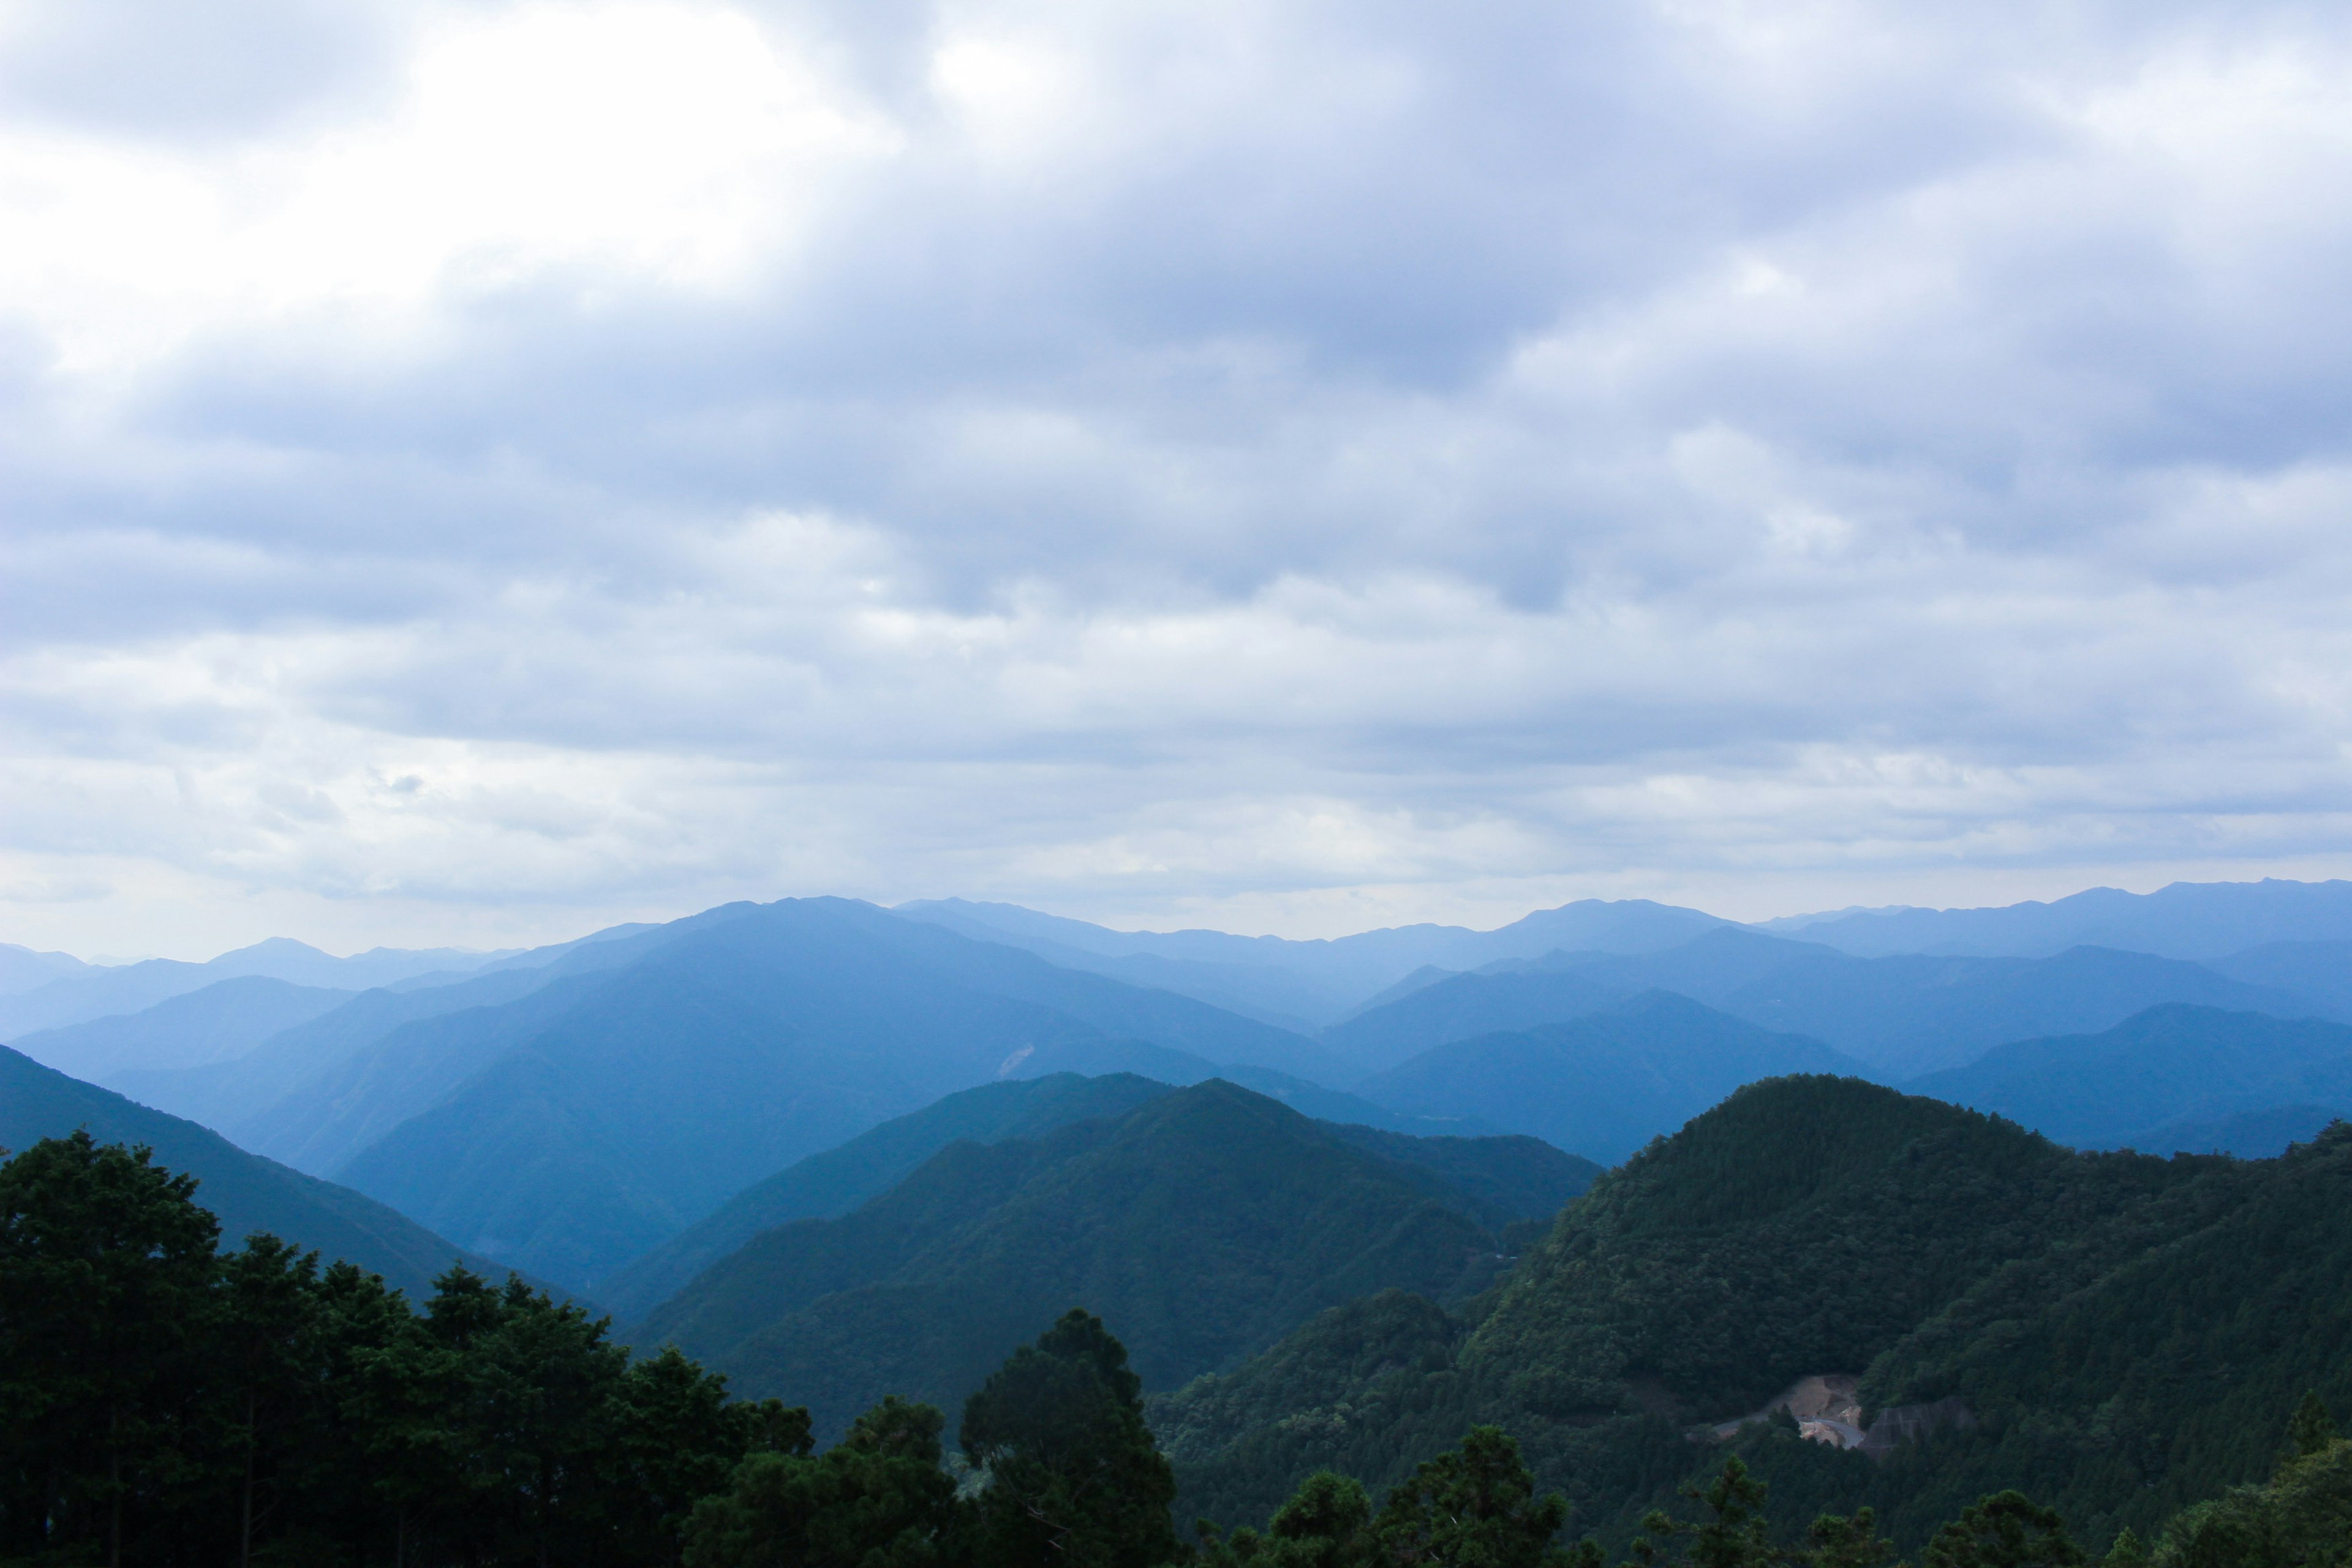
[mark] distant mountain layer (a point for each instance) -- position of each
(1200, 1225)
(247, 1193)
(88, 992)
(2119, 1334)
(225, 1020)
(2136, 1083)
(2187, 919)
(1316, 982)
(22, 969)
(1901, 1015)
(1603, 1085)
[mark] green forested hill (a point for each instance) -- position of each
(247, 1192)
(1201, 1226)
(2129, 1331)
(834, 1183)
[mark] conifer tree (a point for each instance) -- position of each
(1074, 1476)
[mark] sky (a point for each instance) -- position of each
(473, 473)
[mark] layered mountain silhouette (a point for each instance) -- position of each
(247, 1193)
(581, 1125)
(1311, 983)
(1200, 1225)
(2165, 1074)
(1899, 1016)
(1604, 1084)
(2186, 920)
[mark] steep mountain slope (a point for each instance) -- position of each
(584, 1124)
(838, 1180)
(247, 1193)
(2084, 1312)
(1604, 1085)
(1321, 981)
(223, 1021)
(2164, 1066)
(2186, 920)
(1806, 1224)
(1201, 1226)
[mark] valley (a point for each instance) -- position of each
(1895, 1229)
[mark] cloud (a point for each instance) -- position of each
(493, 468)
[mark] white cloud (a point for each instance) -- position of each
(500, 467)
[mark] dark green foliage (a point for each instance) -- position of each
(247, 1193)
(2301, 1519)
(2128, 1332)
(2311, 1428)
(1505, 1180)
(878, 1499)
(167, 1404)
(2007, 1529)
(1733, 1534)
(1204, 1225)
(1072, 1474)
(1474, 1507)
(836, 1180)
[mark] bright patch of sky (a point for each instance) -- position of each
(472, 472)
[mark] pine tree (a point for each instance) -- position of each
(105, 1263)
(2310, 1429)
(2006, 1530)
(1074, 1476)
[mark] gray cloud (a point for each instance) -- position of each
(1294, 466)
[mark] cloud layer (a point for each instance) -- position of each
(475, 470)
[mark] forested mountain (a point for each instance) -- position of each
(1203, 1224)
(580, 1126)
(1603, 1085)
(250, 1193)
(840, 1179)
(2186, 920)
(1318, 982)
(2121, 1332)
(1899, 1016)
(2128, 1085)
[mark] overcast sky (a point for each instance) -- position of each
(477, 472)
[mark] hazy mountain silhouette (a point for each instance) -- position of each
(1603, 1085)
(2171, 1064)
(2186, 920)
(1317, 981)
(247, 1192)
